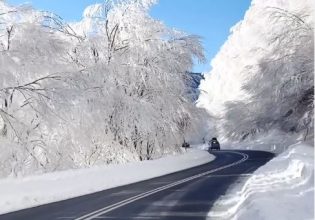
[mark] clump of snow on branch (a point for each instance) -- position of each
(108, 89)
(262, 78)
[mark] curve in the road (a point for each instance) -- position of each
(187, 194)
(112, 207)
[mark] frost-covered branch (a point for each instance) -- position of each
(111, 88)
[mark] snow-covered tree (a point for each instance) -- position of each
(149, 62)
(262, 78)
(110, 88)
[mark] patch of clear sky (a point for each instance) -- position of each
(210, 19)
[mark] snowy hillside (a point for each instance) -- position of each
(110, 88)
(193, 82)
(262, 78)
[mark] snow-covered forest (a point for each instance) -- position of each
(262, 78)
(117, 86)
(110, 88)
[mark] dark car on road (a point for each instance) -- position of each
(214, 144)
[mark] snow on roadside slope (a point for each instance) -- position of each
(20, 193)
(274, 141)
(283, 189)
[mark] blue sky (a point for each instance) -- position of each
(211, 19)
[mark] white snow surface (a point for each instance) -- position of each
(283, 189)
(274, 141)
(20, 193)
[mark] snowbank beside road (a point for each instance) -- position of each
(19, 193)
(274, 141)
(283, 189)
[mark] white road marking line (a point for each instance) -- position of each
(117, 205)
(125, 192)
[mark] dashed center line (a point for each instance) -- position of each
(96, 214)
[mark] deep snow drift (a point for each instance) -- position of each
(283, 189)
(19, 193)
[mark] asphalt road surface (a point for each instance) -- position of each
(185, 195)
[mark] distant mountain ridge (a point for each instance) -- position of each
(193, 83)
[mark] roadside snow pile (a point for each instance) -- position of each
(20, 193)
(274, 141)
(201, 146)
(283, 189)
